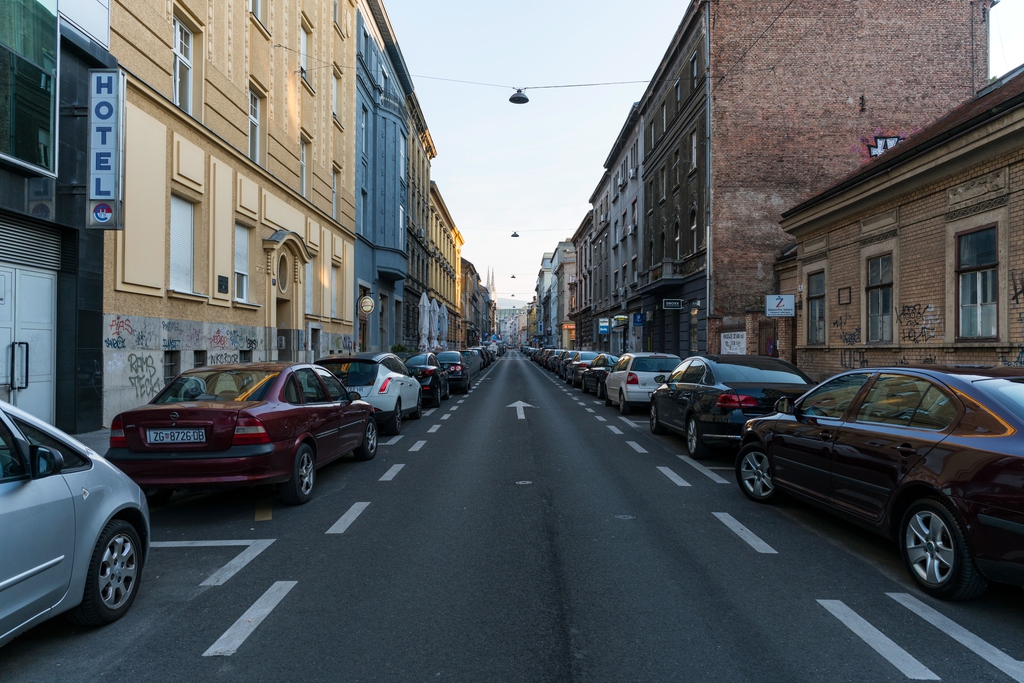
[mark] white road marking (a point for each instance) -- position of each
(461, 401)
(233, 638)
(390, 474)
(615, 430)
(703, 470)
(453, 408)
(427, 413)
(637, 447)
(676, 479)
(598, 402)
(346, 519)
(446, 416)
(600, 418)
(991, 654)
(746, 534)
(879, 642)
(416, 446)
(221, 576)
(589, 410)
(393, 441)
(627, 421)
(433, 429)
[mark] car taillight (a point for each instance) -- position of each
(384, 386)
(249, 431)
(584, 365)
(731, 401)
(631, 378)
(456, 368)
(426, 372)
(117, 439)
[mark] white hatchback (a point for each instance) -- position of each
(383, 380)
(631, 381)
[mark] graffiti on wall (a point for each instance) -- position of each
(143, 377)
(879, 142)
(848, 337)
(850, 359)
(919, 323)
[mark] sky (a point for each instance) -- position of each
(532, 168)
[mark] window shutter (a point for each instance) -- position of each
(181, 245)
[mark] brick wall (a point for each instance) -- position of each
(801, 106)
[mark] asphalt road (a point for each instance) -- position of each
(570, 545)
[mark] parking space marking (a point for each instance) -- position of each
(600, 418)
(675, 478)
(221, 576)
(393, 441)
(391, 473)
(461, 401)
(233, 638)
(627, 421)
(427, 413)
(615, 430)
(416, 446)
(879, 642)
(637, 447)
(433, 429)
(746, 534)
(703, 470)
(589, 410)
(346, 519)
(453, 409)
(446, 416)
(991, 654)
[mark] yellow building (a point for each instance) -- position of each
(239, 205)
(445, 263)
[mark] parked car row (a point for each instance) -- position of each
(930, 456)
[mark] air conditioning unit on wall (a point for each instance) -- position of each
(632, 172)
(631, 229)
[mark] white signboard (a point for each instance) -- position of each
(106, 143)
(734, 343)
(780, 306)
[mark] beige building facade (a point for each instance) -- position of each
(446, 264)
(239, 206)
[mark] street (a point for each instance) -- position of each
(525, 532)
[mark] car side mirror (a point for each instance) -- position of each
(355, 396)
(660, 379)
(45, 461)
(785, 406)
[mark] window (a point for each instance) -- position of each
(241, 263)
(678, 240)
(403, 150)
(245, 356)
(172, 366)
(182, 245)
(303, 53)
(401, 227)
(309, 289)
(256, 7)
(816, 308)
(335, 272)
(834, 397)
(678, 93)
(312, 390)
(334, 388)
(675, 169)
(693, 150)
(664, 118)
(904, 401)
(363, 226)
(37, 437)
(879, 293)
(363, 129)
(334, 13)
(303, 152)
(254, 126)
(334, 194)
(977, 258)
(198, 358)
(693, 232)
(335, 94)
(11, 465)
(693, 71)
(182, 67)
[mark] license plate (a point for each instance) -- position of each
(176, 435)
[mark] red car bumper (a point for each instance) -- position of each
(237, 466)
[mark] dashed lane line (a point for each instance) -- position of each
(600, 418)
(675, 478)
(627, 421)
(233, 638)
(393, 441)
(879, 642)
(416, 446)
(461, 401)
(433, 429)
(589, 410)
(636, 447)
(703, 470)
(428, 413)
(446, 416)
(346, 519)
(746, 534)
(453, 409)
(615, 430)
(391, 473)
(991, 654)
(221, 576)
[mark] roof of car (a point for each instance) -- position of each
(375, 356)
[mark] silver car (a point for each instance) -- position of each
(74, 530)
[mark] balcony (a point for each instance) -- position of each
(671, 272)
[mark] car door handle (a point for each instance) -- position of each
(906, 450)
(825, 435)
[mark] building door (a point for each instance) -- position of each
(28, 303)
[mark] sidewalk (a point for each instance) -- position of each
(99, 440)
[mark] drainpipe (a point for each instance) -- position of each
(708, 192)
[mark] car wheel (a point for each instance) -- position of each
(623, 404)
(393, 426)
(114, 572)
(694, 445)
(436, 402)
(936, 554)
(299, 489)
(656, 426)
(447, 391)
(583, 386)
(418, 412)
(469, 385)
(603, 390)
(754, 473)
(368, 448)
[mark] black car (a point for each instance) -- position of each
(580, 361)
(709, 398)
(592, 379)
(459, 372)
(433, 379)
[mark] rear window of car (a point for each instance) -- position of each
(213, 384)
(648, 364)
(588, 355)
(417, 360)
(1009, 393)
(760, 373)
(355, 373)
(449, 357)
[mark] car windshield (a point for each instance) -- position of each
(587, 355)
(1009, 393)
(354, 373)
(760, 372)
(218, 385)
(449, 357)
(651, 364)
(417, 360)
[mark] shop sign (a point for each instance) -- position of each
(734, 343)
(366, 305)
(603, 326)
(780, 305)
(638, 320)
(671, 304)
(106, 149)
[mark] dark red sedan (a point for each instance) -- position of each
(241, 425)
(932, 457)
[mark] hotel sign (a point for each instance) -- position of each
(106, 149)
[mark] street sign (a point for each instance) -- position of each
(603, 325)
(780, 306)
(638, 320)
(671, 304)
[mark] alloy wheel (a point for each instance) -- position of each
(118, 571)
(931, 552)
(306, 473)
(691, 435)
(371, 436)
(755, 474)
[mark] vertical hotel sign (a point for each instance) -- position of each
(106, 149)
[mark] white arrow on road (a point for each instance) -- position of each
(519, 405)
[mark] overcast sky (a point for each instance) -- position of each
(532, 168)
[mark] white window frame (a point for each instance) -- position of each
(304, 39)
(335, 93)
(303, 166)
(310, 270)
(334, 193)
(256, 8)
(241, 269)
(184, 48)
(254, 125)
(693, 149)
(182, 256)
